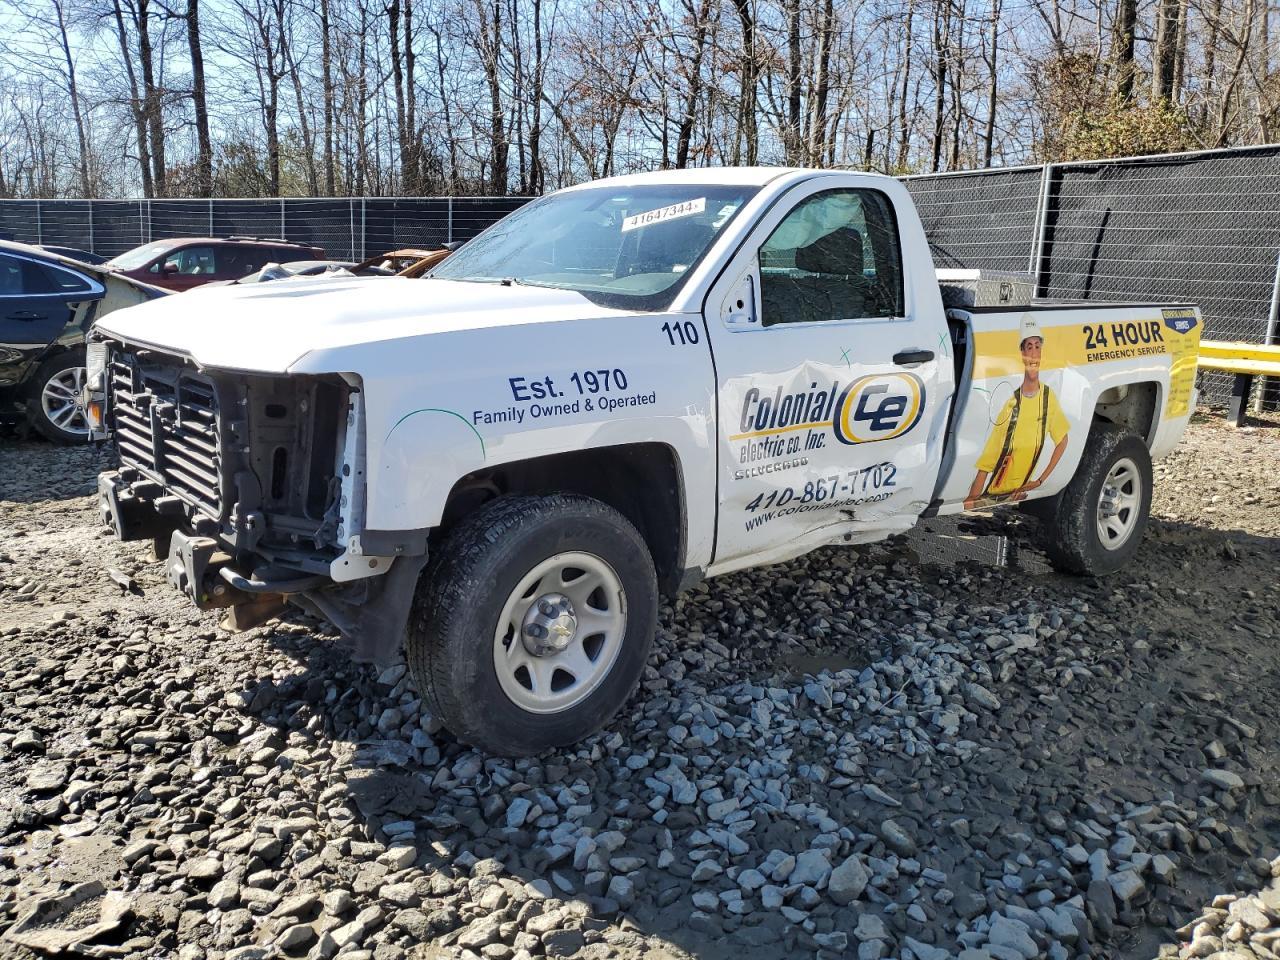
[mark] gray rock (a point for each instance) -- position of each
(812, 868)
(870, 927)
(336, 902)
(518, 811)
(751, 880)
(1223, 779)
(872, 792)
(1128, 886)
(925, 951)
(983, 697)
(296, 937)
(623, 891)
(481, 933)
(848, 880)
(1014, 935)
(837, 940)
(898, 840)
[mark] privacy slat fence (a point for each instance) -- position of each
(1197, 227)
(1201, 227)
(346, 228)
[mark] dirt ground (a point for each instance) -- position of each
(959, 720)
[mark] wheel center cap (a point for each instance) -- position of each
(1108, 503)
(549, 626)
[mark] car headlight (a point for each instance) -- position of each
(95, 363)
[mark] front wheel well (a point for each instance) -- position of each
(641, 481)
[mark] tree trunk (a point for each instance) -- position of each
(904, 130)
(326, 82)
(491, 57)
(441, 66)
(791, 137)
(135, 102)
(304, 128)
(684, 137)
(1165, 55)
(537, 176)
(73, 91)
(151, 101)
(821, 85)
(1122, 43)
(749, 68)
(993, 87)
(413, 141)
(199, 102)
(397, 75)
(941, 37)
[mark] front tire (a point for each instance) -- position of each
(1095, 525)
(531, 628)
(55, 407)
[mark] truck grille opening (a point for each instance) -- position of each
(166, 422)
(253, 457)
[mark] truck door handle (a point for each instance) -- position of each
(908, 357)
(27, 315)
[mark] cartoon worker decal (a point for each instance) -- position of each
(1029, 420)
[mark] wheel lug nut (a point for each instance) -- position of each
(534, 630)
(547, 609)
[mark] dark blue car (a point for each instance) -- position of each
(47, 304)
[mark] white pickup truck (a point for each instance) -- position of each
(617, 390)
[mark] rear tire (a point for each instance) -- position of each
(1095, 525)
(532, 626)
(54, 406)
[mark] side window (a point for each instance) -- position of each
(192, 261)
(235, 262)
(69, 282)
(20, 277)
(836, 256)
(10, 277)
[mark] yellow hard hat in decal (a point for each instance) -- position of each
(1028, 328)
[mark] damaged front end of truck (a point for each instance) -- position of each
(251, 487)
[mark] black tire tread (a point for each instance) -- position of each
(449, 584)
(1068, 517)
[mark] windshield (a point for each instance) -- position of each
(628, 247)
(139, 256)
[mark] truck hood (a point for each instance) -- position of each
(268, 327)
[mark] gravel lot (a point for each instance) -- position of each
(928, 748)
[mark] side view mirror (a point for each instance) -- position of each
(169, 267)
(739, 311)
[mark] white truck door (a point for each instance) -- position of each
(834, 372)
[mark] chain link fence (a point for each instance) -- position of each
(1199, 228)
(347, 229)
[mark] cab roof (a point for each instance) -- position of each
(747, 176)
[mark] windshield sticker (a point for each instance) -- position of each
(686, 208)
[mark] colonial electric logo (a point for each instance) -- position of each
(876, 407)
(879, 407)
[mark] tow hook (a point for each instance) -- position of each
(192, 567)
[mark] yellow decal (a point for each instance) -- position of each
(1184, 347)
(997, 353)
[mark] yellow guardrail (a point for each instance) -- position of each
(1245, 361)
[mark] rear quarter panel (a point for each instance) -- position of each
(1087, 350)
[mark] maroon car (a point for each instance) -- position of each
(186, 262)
